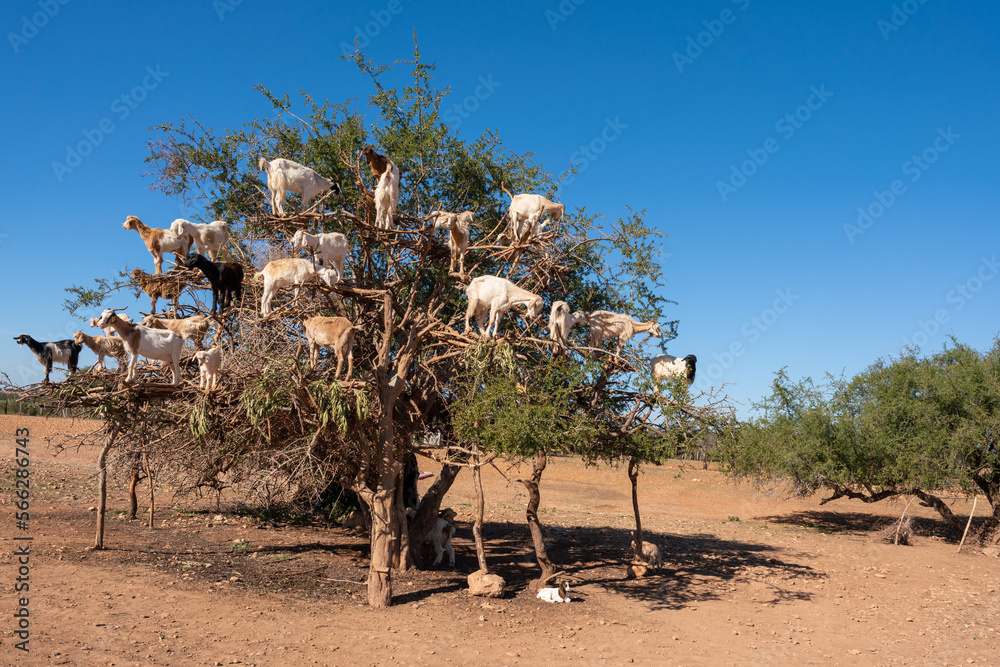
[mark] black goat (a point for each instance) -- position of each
(61, 351)
(226, 279)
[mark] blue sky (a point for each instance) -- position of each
(825, 173)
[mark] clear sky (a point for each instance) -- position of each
(825, 173)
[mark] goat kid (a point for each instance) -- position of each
(492, 296)
(103, 346)
(440, 536)
(650, 554)
(209, 365)
(284, 176)
(560, 594)
(150, 343)
(60, 352)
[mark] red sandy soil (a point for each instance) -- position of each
(749, 579)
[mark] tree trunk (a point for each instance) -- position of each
(427, 510)
(930, 500)
(534, 499)
(633, 476)
(402, 559)
(477, 527)
(133, 500)
(102, 487)
(152, 498)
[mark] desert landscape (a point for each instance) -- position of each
(749, 578)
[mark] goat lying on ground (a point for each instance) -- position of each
(291, 271)
(109, 331)
(440, 536)
(208, 239)
(226, 279)
(156, 288)
(159, 241)
(60, 352)
(667, 367)
(103, 346)
(387, 186)
(650, 554)
(330, 248)
(189, 328)
(336, 333)
(209, 365)
(457, 225)
(525, 213)
(285, 176)
(492, 296)
(605, 324)
(561, 321)
(150, 343)
(560, 594)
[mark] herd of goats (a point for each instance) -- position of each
(198, 245)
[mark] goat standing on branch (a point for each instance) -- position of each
(159, 241)
(226, 279)
(150, 343)
(386, 189)
(103, 346)
(208, 239)
(667, 367)
(605, 324)
(189, 328)
(284, 176)
(336, 333)
(525, 213)
(209, 365)
(330, 248)
(457, 225)
(291, 271)
(156, 288)
(492, 296)
(61, 351)
(561, 321)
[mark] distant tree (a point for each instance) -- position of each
(907, 426)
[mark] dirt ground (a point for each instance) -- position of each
(749, 579)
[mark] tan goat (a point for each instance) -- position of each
(189, 328)
(457, 225)
(605, 324)
(336, 333)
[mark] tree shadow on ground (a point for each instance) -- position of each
(858, 523)
(697, 568)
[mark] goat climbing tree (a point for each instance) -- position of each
(274, 422)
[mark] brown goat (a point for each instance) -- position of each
(157, 287)
(377, 163)
(336, 333)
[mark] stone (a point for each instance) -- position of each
(486, 585)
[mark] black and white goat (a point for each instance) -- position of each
(667, 367)
(226, 279)
(61, 352)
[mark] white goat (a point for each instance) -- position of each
(209, 365)
(457, 225)
(103, 346)
(151, 343)
(159, 241)
(285, 176)
(667, 367)
(525, 213)
(109, 330)
(336, 333)
(492, 296)
(208, 238)
(291, 271)
(605, 324)
(387, 197)
(330, 248)
(440, 536)
(650, 553)
(560, 594)
(561, 321)
(189, 328)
